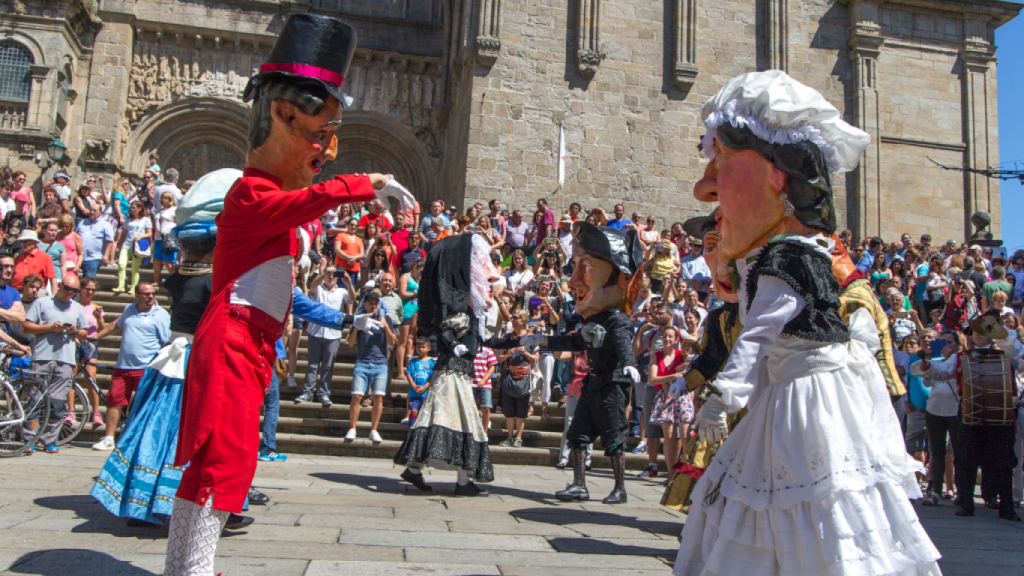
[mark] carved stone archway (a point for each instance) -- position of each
(193, 135)
(372, 141)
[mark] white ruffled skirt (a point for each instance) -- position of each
(806, 485)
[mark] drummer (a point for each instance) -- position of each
(987, 445)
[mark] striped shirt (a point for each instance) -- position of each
(484, 360)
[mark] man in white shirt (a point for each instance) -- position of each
(690, 302)
(324, 342)
(170, 185)
(695, 270)
(6, 202)
(565, 236)
(60, 185)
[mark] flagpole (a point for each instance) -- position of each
(559, 169)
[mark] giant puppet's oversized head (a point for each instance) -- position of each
(723, 272)
(606, 269)
(297, 99)
(773, 142)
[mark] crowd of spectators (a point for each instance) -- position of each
(368, 258)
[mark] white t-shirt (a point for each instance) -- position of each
(336, 299)
(172, 188)
(63, 192)
(165, 222)
(6, 206)
(136, 228)
(518, 280)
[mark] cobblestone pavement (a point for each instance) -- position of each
(333, 515)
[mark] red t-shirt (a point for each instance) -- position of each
(546, 225)
(314, 228)
(36, 262)
(380, 220)
(662, 369)
(484, 359)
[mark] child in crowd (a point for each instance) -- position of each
(483, 368)
(418, 374)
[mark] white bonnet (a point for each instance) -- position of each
(780, 110)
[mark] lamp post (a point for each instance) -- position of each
(56, 150)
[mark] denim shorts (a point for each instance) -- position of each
(483, 397)
(415, 403)
(374, 376)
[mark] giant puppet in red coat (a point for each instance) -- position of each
(297, 105)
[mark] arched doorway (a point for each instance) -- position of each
(193, 135)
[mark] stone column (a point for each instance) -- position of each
(40, 100)
(776, 35)
(589, 51)
(488, 40)
(865, 204)
(977, 88)
(685, 24)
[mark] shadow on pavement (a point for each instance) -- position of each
(441, 487)
(607, 546)
(74, 562)
(98, 519)
(570, 516)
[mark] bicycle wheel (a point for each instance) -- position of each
(25, 406)
(78, 414)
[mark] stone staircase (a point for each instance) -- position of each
(310, 429)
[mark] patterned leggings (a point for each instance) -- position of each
(192, 538)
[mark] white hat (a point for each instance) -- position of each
(780, 110)
(28, 235)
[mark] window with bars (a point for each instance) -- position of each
(15, 71)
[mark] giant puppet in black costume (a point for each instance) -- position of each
(455, 293)
(606, 280)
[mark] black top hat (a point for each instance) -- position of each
(701, 225)
(620, 248)
(311, 47)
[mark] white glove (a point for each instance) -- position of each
(634, 375)
(533, 340)
(711, 420)
(460, 350)
(365, 322)
(677, 389)
(395, 190)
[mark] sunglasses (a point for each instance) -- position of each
(147, 293)
(71, 290)
(5, 266)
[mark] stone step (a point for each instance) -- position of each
(394, 415)
(362, 447)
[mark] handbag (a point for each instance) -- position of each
(143, 248)
(517, 388)
(170, 242)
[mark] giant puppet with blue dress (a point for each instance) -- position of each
(297, 105)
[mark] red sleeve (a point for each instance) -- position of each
(48, 271)
(364, 220)
(258, 205)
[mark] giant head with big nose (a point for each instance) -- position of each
(772, 143)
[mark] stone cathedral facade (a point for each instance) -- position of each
(463, 99)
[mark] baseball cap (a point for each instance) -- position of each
(28, 235)
(374, 294)
(20, 197)
(975, 247)
(61, 174)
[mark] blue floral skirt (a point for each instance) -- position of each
(139, 478)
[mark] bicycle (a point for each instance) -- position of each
(24, 403)
(82, 408)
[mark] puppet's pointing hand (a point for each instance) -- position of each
(392, 189)
(711, 420)
(533, 340)
(633, 375)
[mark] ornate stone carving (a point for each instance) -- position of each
(204, 157)
(13, 116)
(487, 50)
(589, 51)
(26, 151)
(96, 150)
(684, 72)
(488, 41)
(865, 45)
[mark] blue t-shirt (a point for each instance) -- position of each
(916, 391)
(419, 371)
(617, 223)
(8, 296)
(922, 287)
(123, 205)
(144, 334)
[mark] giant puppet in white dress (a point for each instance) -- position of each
(807, 484)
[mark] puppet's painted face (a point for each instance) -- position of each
(747, 189)
(306, 142)
(590, 279)
(720, 271)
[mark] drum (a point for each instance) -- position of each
(987, 380)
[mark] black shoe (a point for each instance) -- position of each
(237, 522)
(479, 491)
(1011, 516)
(470, 490)
(416, 480)
(573, 493)
(965, 511)
(616, 497)
(258, 498)
(992, 504)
